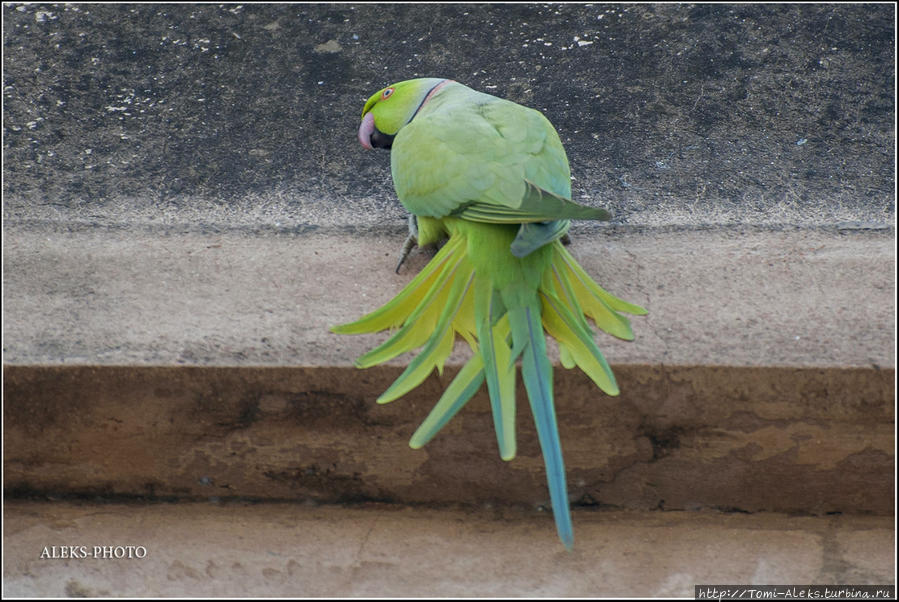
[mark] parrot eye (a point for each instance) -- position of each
(386, 93)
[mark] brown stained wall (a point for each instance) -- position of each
(748, 439)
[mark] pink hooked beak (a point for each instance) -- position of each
(366, 129)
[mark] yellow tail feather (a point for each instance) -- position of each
(440, 302)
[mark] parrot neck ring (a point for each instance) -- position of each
(428, 96)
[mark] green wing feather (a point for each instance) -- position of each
(537, 205)
(518, 160)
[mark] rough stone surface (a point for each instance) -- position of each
(235, 550)
(217, 115)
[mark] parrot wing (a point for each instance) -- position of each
(487, 160)
(537, 205)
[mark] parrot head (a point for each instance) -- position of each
(391, 108)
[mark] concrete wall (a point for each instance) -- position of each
(246, 115)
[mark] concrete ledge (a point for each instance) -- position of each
(381, 551)
(179, 296)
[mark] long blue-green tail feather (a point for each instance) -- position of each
(536, 372)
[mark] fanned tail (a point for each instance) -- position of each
(502, 321)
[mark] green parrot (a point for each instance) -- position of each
(491, 178)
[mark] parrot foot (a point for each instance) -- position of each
(411, 241)
(566, 240)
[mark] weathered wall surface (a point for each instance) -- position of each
(707, 438)
(219, 116)
(282, 550)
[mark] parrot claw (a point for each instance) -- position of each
(566, 239)
(411, 241)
